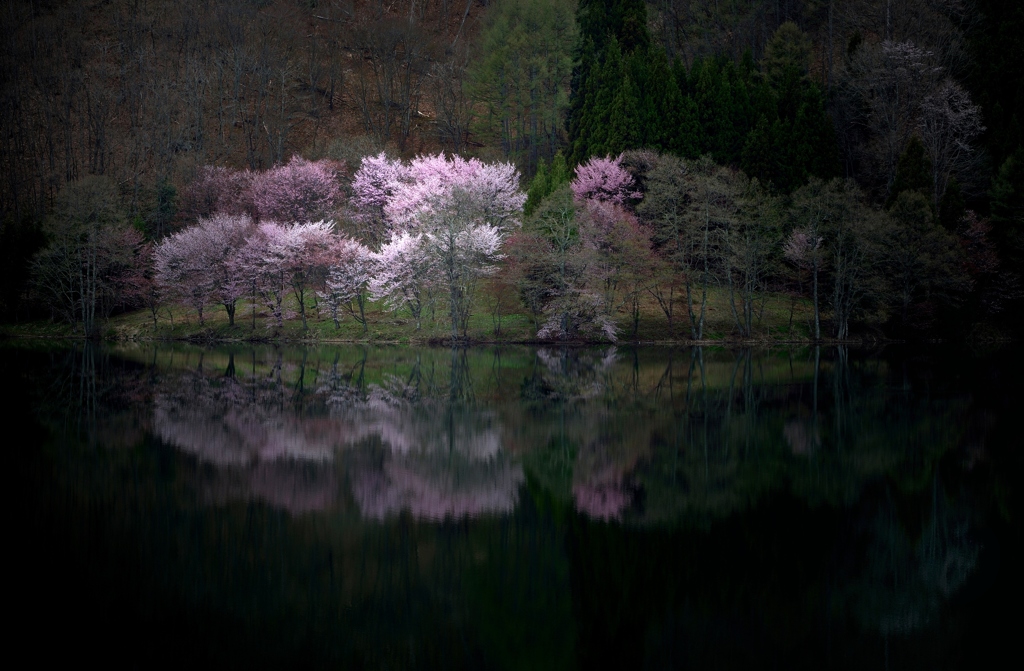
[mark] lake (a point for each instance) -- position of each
(515, 507)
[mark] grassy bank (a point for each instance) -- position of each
(780, 318)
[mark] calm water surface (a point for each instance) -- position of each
(516, 508)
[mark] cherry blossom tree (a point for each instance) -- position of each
(248, 265)
(218, 190)
(447, 217)
(196, 264)
(373, 187)
(404, 275)
(563, 273)
(624, 258)
(307, 258)
(432, 179)
(224, 236)
(280, 258)
(137, 284)
(464, 247)
(803, 249)
(265, 263)
(182, 270)
(351, 268)
(949, 122)
(604, 179)
(299, 190)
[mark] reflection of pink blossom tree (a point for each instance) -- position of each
(228, 423)
(438, 460)
(604, 179)
(428, 493)
(603, 496)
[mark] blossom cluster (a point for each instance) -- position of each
(266, 235)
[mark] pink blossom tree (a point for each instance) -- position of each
(248, 266)
(279, 259)
(373, 187)
(567, 278)
(404, 272)
(218, 190)
(224, 236)
(604, 179)
(308, 257)
(299, 190)
(803, 249)
(138, 285)
(182, 269)
(350, 269)
(602, 496)
(195, 263)
(624, 259)
(431, 179)
(447, 217)
(265, 262)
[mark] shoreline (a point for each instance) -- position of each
(434, 342)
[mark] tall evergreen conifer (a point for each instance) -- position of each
(606, 29)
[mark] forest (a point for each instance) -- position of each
(591, 166)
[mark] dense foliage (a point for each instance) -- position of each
(751, 105)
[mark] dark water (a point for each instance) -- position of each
(515, 508)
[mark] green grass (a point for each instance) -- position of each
(176, 322)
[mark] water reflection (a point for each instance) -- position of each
(909, 576)
(406, 447)
(657, 496)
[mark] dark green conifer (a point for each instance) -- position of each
(547, 180)
(1007, 203)
(952, 207)
(913, 172)
(607, 29)
(760, 152)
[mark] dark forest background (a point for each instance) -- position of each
(145, 93)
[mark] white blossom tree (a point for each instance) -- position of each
(949, 122)
(350, 270)
(447, 218)
(404, 275)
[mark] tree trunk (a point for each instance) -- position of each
(817, 315)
